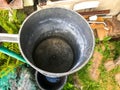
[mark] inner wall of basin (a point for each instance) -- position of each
(56, 52)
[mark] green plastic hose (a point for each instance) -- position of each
(12, 54)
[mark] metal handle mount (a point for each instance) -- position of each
(4, 37)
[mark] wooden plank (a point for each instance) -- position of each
(98, 12)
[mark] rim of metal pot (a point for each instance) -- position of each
(43, 88)
(50, 74)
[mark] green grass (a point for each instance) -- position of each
(106, 79)
(69, 85)
(11, 24)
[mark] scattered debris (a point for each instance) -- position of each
(101, 27)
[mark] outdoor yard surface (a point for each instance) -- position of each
(101, 73)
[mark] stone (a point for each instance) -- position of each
(117, 61)
(117, 78)
(109, 65)
(94, 72)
